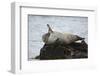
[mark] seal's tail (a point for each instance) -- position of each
(49, 28)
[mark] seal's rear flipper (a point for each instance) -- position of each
(49, 29)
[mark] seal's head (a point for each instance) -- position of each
(79, 38)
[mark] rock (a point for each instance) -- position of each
(37, 57)
(63, 51)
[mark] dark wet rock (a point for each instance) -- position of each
(37, 57)
(63, 51)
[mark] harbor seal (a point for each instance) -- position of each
(53, 36)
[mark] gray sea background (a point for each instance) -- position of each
(66, 24)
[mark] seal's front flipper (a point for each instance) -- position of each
(58, 41)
